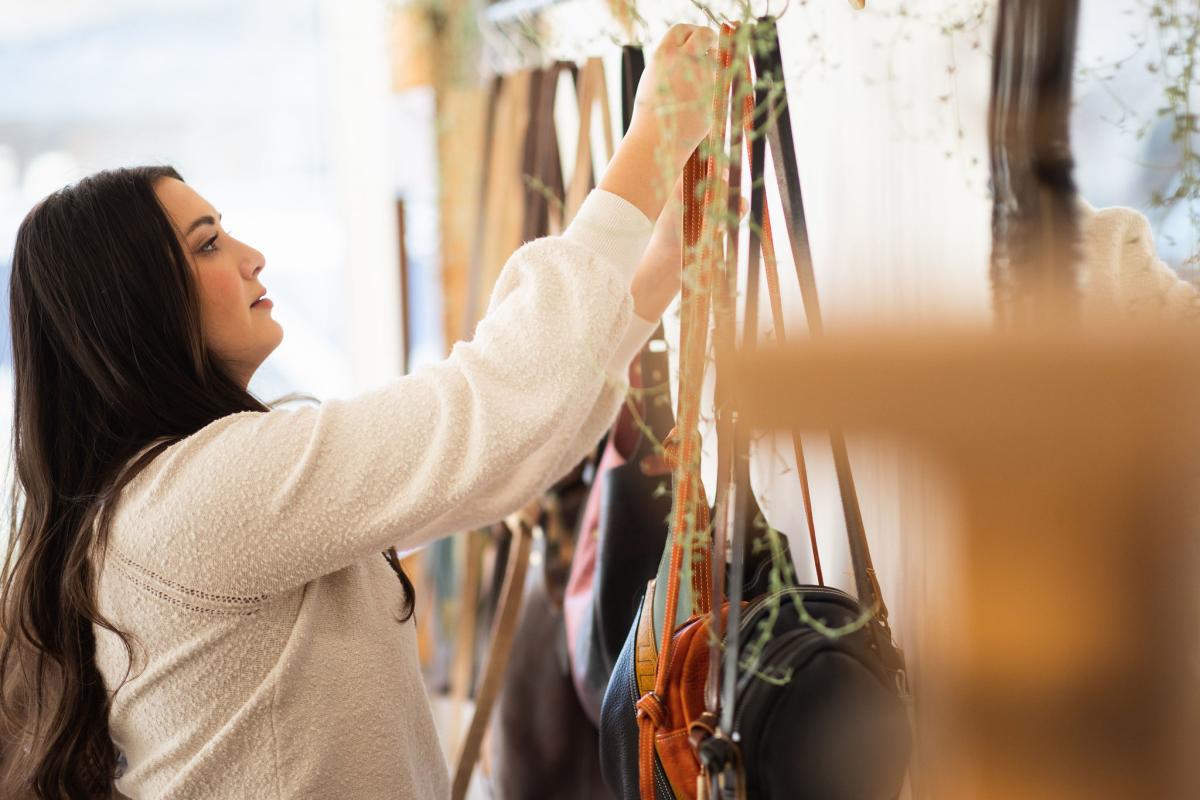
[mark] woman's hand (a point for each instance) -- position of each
(671, 117)
(659, 275)
(674, 98)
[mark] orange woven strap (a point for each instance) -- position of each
(701, 558)
(701, 246)
(685, 454)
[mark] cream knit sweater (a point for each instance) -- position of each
(245, 559)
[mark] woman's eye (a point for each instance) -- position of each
(205, 248)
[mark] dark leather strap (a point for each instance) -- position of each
(1034, 225)
(543, 165)
(725, 340)
(772, 105)
(633, 64)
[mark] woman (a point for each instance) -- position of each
(194, 599)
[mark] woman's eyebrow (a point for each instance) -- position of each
(205, 220)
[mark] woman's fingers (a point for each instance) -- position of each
(681, 34)
(700, 40)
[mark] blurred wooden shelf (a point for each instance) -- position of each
(1064, 663)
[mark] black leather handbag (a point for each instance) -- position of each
(802, 698)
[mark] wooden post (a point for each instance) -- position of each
(1061, 663)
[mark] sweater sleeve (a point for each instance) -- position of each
(259, 502)
(612, 396)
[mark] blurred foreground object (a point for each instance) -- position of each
(1062, 662)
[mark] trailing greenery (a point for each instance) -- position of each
(1177, 25)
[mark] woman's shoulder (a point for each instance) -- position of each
(163, 480)
(1121, 268)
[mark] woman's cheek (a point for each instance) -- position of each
(222, 298)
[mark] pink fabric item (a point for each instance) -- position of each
(577, 601)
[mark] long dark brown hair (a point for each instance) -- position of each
(109, 358)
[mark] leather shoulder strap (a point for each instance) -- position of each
(503, 630)
(1034, 226)
(592, 89)
(633, 64)
(772, 104)
(542, 171)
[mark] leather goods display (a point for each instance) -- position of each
(807, 703)
(543, 744)
(515, 681)
(453, 565)
(497, 656)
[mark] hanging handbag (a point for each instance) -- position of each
(813, 709)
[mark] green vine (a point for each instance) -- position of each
(1177, 25)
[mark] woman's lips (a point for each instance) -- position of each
(263, 303)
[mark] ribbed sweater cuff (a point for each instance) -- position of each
(636, 336)
(613, 228)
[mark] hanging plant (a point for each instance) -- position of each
(1177, 26)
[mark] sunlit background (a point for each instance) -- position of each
(280, 113)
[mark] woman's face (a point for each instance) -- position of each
(241, 333)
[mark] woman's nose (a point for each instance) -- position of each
(255, 262)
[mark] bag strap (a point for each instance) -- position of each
(543, 163)
(505, 207)
(689, 513)
(1035, 229)
(592, 89)
(766, 123)
(772, 103)
(633, 64)
(724, 336)
(504, 629)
